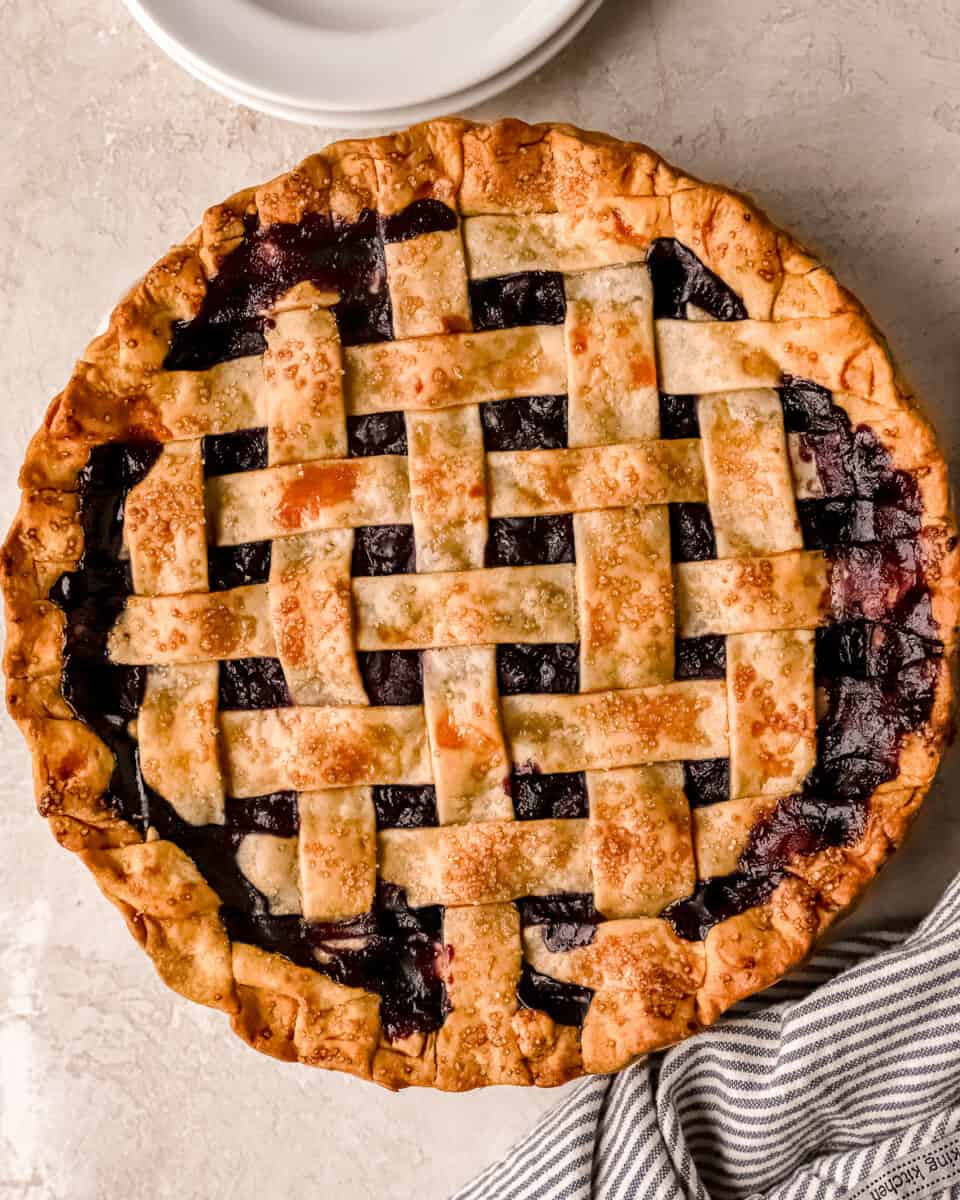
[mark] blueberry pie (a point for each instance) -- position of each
(484, 605)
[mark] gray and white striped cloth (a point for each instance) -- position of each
(841, 1081)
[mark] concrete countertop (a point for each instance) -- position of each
(842, 118)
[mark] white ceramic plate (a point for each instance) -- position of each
(456, 102)
(354, 56)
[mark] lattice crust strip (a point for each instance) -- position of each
(346, 493)
(464, 215)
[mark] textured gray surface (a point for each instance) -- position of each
(842, 118)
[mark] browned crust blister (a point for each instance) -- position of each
(118, 391)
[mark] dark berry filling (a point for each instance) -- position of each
(526, 423)
(400, 952)
(393, 951)
(701, 657)
(405, 807)
(718, 899)
(253, 683)
(384, 550)
(863, 721)
(102, 522)
(568, 920)
(527, 298)
(691, 533)
(276, 814)
(530, 541)
(377, 433)
(281, 935)
(566, 1003)
(564, 908)
(878, 661)
(116, 467)
(541, 797)
(852, 463)
(870, 650)
(827, 523)
(874, 582)
(680, 278)
(401, 960)
(337, 255)
(418, 218)
(238, 566)
(228, 453)
(110, 472)
(706, 781)
(116, 690)
(800, 825)
(678, 416)
(547, 667)
(392, 676)
(808, 408)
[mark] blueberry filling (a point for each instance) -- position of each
(400, 959)
(405, 807)
(334, 254)
(526, 423)
(228, 453)
(809, 408)
(116, 690)
(566, 1003)
(106, 696)
(872, 650)
(392, 676)
(678, 416)
(679, 278)
(384, 550)
(564, 908)
(116, 467)
(701, 657)
(553, 667)
(801, 825)
(706, 781)
(851, 463)
(238, 566)
(874, 582)
(828, 523)
(862, 721)
(530, 541)
(567, 920)
(376, 433)
(110, 472)
(393, 951)
(418, 218)
(281, 935)
(715, 900)
(276, 814)
(877, 661)
(101, 519)
(253, 683)
(542, 797)
(528, 298)
(691, 533)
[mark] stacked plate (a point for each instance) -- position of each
(347, 64)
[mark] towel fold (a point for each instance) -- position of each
(830, 1081)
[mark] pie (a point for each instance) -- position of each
(484, 605)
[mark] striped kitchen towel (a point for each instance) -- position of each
(841, 1081)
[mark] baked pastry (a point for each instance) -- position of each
(483, 606)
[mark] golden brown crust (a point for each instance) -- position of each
(174, 915)
(749, 952)
(799, 316)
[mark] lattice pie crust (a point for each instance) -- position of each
(484, 606)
